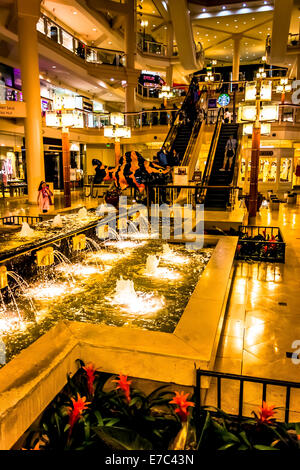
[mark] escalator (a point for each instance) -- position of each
(180, 134)
(215, 198)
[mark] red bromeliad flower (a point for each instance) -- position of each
(124, 384)
(76, 411)
(266, 413)
(180, 399)
(90, 373)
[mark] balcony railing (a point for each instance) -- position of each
(153, 92)
(88, 53)
(152, 47)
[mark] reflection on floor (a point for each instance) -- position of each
(20, 206)
(263, 320)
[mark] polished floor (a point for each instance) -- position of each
(263, 319)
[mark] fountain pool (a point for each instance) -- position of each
(121, 284)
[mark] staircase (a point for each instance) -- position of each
(219, 198)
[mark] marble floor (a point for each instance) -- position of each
(263, 320)
(20, 206)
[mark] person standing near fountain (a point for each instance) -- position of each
(44, 197)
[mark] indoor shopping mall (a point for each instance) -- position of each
(149, 227)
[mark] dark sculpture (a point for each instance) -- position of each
(132, 171)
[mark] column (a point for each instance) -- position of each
(66, 166)
(169, 76)
(28, 15)
(130, 47)
(236, 57)
(170, 38)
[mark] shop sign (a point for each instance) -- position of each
(224, 99)
(13, 109)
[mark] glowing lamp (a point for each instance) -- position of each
(117, 119)
(3, 277)
(45, 256)
(52, 120)
(79, 242)
(264, 130)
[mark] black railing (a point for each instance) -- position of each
(260, 243)
(211, 155)
(19, 219)
(266, 385)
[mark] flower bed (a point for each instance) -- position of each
(88, 415)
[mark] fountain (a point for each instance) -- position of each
(83, 213)
(133, 302)
(26, 231)
(167, 250)
(57, 221)
(151, 265)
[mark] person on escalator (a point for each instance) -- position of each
(227, 116)
(230, 150)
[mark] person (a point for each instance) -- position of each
(227, 116)
(154, 116)
(162, 157)
(163, 116)
(173, 113)
(144, 118)
(44, 197)
(174, 159)
(230, 150)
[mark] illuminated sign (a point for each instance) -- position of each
(224, 100)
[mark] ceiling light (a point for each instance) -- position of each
(235, 20)
(74, 12)
(203, 9)
(244, 5)
(112, 79)
(54, 66)
(109, 42)
(94, 29)
(253, 19)
(218, 22)
(223, 7)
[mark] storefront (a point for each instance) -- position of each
(276, 168)
(12, 166)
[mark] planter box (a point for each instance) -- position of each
(256, 243)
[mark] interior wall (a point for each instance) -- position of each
(102, 153)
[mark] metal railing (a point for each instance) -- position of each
(152, 47)
(88, 53)
(241, 380)
(19, 219)
(153, 92)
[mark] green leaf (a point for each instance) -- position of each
(227, 446)
(122, 439)
(111, 421)
(99, 418)
(67, 427)
(244, 438)
(205, 427)
(262, 447)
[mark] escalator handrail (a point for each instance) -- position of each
(171, 136)
(211, 153)
(194, 134)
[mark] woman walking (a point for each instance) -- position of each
(44, 197)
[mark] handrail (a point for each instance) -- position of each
(211, 154)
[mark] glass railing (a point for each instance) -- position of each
(82, 50)
(152, 47)
(153, 92)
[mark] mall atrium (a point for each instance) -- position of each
(149, 225)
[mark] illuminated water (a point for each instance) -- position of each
(131, 284)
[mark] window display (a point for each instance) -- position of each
(286, 170)
(267, 170)
(243, 169)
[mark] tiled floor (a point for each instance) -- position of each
(20, 206)
(263, 318)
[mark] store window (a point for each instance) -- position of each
(285, 170)
(267, 170)
(67, 40)
(244, 170)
